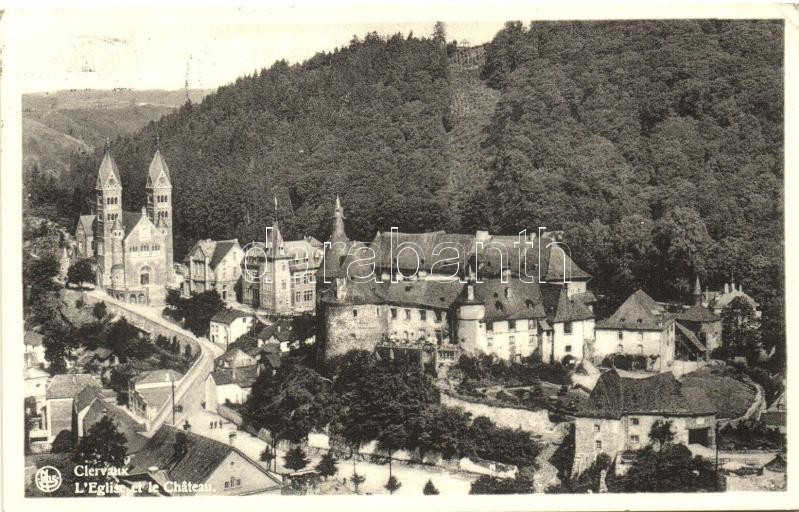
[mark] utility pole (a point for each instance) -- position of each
(716, 440)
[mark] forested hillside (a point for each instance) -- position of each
(656, 146)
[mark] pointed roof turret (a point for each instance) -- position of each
(157, 168)
(697, 295)
(108, 168)
(339, 234)
(276, 243)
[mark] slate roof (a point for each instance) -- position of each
(639, 312)
(69, 385)
(34, 339)
(155, 397)
(214, 250)
(688, 335)
(108, 167)
(86, 397)
(229, 315)
(432, 294)
(201, 458)
(523, 302)
(560, 307)
(247, 344)
(244, 377)
(283, 330)
(87, 222)
(126, 423)
(615, 396)
(130, 219)
(697, 313)
(157, 166)
(777, 464)
(153, 376)
(338, 259)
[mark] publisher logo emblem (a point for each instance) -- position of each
(48, 479)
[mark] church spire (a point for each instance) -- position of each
(697, 295)
(339, 234)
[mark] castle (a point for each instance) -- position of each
(133, 250)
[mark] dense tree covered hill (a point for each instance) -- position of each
(657, 145)
(367, 121)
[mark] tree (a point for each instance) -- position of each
(671, 469)
(39, 272)
(392, 484)
(100, 310)
(492, 485)
(357, 480)
(63, 442)
(661, 433)
(327, 466)
(199, 309)
(429, 488)
(738, 325)
(267, 455)
(82, 271)
(102, 446)
(295, 459)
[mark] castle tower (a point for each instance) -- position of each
(109, 210)
(470, 325)
(159, 207)
(278, 288)
(697, 294)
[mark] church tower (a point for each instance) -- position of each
(109, 211)
(159, 207)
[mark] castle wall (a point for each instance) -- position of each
(354, 327)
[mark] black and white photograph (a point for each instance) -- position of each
(289, 251)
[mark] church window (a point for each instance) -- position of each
(144, 276)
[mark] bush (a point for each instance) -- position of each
(429, 489)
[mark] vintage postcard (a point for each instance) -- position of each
(422, 254)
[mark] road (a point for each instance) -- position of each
(191, 390)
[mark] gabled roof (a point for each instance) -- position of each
(131, 219)
(697, 313)
(514, 300)
(87, 223)
(69, 385)
(232, 354)
(247, 344)
(201, 458)
(214, 250)
(638, 312)
(228, 316)
(691, 338)
(86, 397)
(560, 307)
(777, 464)
(108, 167)
(157, 166)
(243, 377)
(615, 396)
(283, 330)
(154, 376)
(125, 422)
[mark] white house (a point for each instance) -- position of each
(34, 349)
(231, 381)
(639, 327)
(149, 391)
(229, 325)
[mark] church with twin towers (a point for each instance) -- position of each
(133, 250)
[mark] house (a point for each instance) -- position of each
(775, 417)
(776, 468)
(234, 373)
(288, 333)
(719, 301)
(213, 265)
(572, 324)
(126, 424)
(279, 277)
(133, 250)
(623, 406)
(34, 349)
(183, 463)
(640, 326)
(61, 392)
(149, 391)
(229, 325)
(702, 322)
(83, 402)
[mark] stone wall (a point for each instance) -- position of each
(353, 327)
(535, 422)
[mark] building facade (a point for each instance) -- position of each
(133, 250)
(213, 265)
(227, 326)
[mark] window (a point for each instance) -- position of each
(489, 326)
(307, 295)
(568, 348)
(567, 327)
(490, 342)
(297, 296)
(438, 315)
(512, 325)
(634, 439)
(596, 427)
(354, 313)
(407, 314)
(512, 340)
(598, 445)
(620, 349)
(635, 421)
(283, 284)
(422, 315)
(620, 335)
(640, 349)
(640, 335)
(530, 324)
(394, 313)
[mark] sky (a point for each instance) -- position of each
(151, 48)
